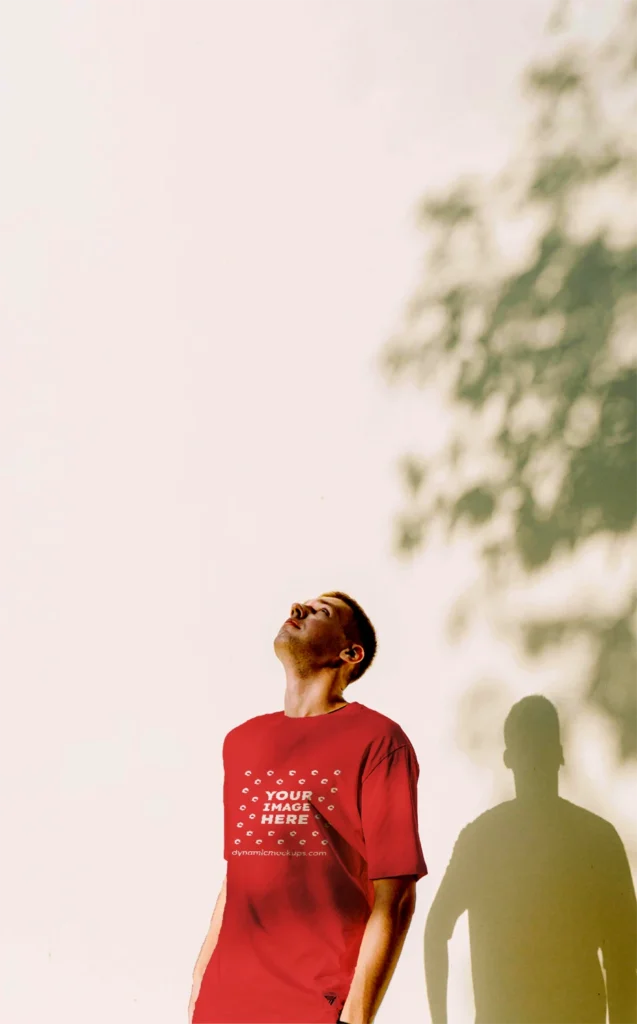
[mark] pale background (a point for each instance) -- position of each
(206, 214)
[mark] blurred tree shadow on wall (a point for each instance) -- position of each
(536, 352)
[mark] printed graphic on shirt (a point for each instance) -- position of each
(286, 810)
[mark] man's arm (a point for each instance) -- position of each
(208, 947)
(385, 933)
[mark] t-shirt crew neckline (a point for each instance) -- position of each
(326, 714)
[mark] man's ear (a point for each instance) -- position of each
(353, 654)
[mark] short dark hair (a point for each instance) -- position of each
(365, 634)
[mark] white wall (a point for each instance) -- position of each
(206, 236)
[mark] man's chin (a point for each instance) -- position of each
(287, 630)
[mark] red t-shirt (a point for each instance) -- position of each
(315, 808)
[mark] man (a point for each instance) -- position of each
(321, 840)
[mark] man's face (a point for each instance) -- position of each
(316, 632)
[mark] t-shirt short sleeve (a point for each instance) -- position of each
(389, 815)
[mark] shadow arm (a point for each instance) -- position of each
(449, 904)
(619, 940)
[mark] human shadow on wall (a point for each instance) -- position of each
(547, 885)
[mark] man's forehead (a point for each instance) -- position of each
(333, 602)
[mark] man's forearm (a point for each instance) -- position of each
(211, 938)
(205, 953)
(380, 949)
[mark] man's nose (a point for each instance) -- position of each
(298, 611)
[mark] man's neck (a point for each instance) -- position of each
(317, 694)
(307, 703)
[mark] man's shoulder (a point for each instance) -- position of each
(383, 738)
(384, 727)
(254, 723)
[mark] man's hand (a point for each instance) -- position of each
(196, 985)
